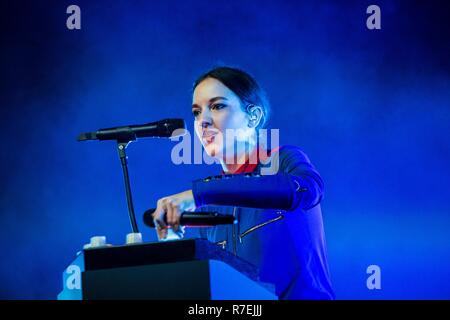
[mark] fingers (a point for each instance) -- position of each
(166, 214)
(173, 214)
(158, 218)
(176, 217)
(169, 212)
(162, 233)
(159, 214)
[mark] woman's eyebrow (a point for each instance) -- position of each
(217, 98)
(210, 101)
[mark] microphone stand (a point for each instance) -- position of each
(124, 135)
(121, 146)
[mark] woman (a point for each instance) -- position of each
(279, 227)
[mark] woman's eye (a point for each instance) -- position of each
(218, 106)
(195, 113)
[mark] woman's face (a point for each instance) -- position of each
(219, 115)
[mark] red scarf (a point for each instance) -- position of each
(248, 167)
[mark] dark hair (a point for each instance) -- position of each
(243, 85)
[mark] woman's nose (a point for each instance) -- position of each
(206, 119)
(205, 124)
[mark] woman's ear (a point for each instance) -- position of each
(255, 115)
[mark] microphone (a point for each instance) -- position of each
(193, 219)
(161, 129)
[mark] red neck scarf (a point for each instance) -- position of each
(248, 167)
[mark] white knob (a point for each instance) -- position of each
(98, 241)
(133, 238)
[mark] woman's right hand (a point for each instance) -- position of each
(168, 213)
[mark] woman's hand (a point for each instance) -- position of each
(171, 208)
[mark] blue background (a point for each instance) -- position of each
(370, 108)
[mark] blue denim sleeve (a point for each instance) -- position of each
(296, 184)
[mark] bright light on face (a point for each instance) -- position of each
(220, 121)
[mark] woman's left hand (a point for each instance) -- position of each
(171, 208)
